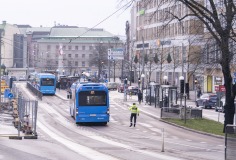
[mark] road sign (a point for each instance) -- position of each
(116, 54)
(221, 88)
(10, 95)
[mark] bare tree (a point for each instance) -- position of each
(219, 19)
(99, 58)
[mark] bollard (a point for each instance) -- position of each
(162, 149)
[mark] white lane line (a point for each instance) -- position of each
(94, 136)
(82, 150)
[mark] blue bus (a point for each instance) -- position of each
(46, 83)
(89, 102)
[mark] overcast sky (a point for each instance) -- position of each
(82, 13)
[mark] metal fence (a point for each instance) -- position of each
(35, 91)
(230, 142)
(179, 113)
(24, 112)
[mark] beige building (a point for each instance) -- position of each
(155, 31)
(7, 46)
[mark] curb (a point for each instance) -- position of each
(192, 130)
(30, 137)
(15, 137)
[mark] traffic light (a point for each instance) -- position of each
(186, 88)
(10, 82)
(125, 81)
(182, 86)
(139, 81)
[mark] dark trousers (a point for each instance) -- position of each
(133, 116)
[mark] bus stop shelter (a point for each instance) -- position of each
(168, 96)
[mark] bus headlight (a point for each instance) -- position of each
(108, 111)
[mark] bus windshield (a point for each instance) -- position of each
(92, 98)
(47, 82)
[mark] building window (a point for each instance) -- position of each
(76, 63)
(83, 47)
(48, 47)
(69, 63)
(69, 47)
(76, 56)
(83, 64)
(83, 55)
(69, 55)
(76, 47)
(90, 55)
(64, 47)
(56, 62)
(90, 48)
(57, 47)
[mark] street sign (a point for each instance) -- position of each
(10, 95)
(116, 54)
(221, 88)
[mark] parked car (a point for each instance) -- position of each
(133, 90)
(207, 101)
(120, 87)
(220, 108)
(14, 78)
(22, 78)
(112, 85)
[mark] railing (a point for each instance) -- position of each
(178, 112)
(35, 91)
(24, 113)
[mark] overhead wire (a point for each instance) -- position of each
(127, 4)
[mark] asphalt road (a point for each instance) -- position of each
(60, 138)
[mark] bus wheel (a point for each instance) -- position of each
(104, 123)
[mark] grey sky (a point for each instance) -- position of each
(82, 13)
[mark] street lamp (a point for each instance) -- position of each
(142, 76)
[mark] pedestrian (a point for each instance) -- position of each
(199, 92)
(140, 96)
(134, 112)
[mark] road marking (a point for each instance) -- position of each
(85, 151)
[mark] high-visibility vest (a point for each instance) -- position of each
(134, 109)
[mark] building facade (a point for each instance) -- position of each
(156, 31)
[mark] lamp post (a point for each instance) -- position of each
(195, 88)
(125, 84)
(142, 76)
(181, 79)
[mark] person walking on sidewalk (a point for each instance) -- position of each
(140, 96)
(134, 112)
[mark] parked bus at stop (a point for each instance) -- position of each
(89, 102)
(46, 83)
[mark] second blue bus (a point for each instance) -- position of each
(46, 83)
(89, 102)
